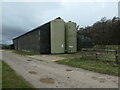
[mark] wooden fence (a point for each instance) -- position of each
(104, 55)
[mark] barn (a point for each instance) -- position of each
(55, 36)
(83, 41)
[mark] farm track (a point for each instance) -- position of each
(44, 74)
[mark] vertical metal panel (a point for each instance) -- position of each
(57, 36)
(15, 42)
(45, 38)
(83, 42)
(70, 37)
(29, 42)
(37, 40)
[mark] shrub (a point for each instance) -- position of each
(5, 46)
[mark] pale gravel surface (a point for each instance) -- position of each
(47, 58)
(77, 78)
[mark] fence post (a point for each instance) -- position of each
(116, 56)
(82, 53)
(96, 56)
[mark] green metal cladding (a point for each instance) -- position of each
(70, 37)
(57, 36)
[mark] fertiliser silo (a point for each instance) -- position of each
(70, 37)
(57, 36)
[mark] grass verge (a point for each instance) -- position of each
(25, 53)
(97, 66)
(71, 56)
(10, 79)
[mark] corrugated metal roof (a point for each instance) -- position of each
(35, 29)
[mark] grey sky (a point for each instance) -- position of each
(21, 17)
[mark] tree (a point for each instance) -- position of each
(105, 31)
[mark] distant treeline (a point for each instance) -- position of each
(104, 32)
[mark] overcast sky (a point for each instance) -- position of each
(21, 17)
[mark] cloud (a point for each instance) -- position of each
(21, 17)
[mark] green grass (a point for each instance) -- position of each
(106, 46)
(10, 79)
(69, 56)
(25, 53)
(107, 58)
(97, 66)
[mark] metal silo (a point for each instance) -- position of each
(70, 37)
(57, 27)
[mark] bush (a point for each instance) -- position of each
(5, 46)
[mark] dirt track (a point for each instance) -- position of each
(44, 74)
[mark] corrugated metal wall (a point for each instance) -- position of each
(37, 40)
(29, 42)
(45, 46)
(57, 36)
(70, 37)
(15, 42)
(83, 42)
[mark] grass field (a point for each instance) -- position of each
(97, 66)
(102, 57)
(25, 53)
(107, 58)
(100, 54)
(106, 46)
(10, 79)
